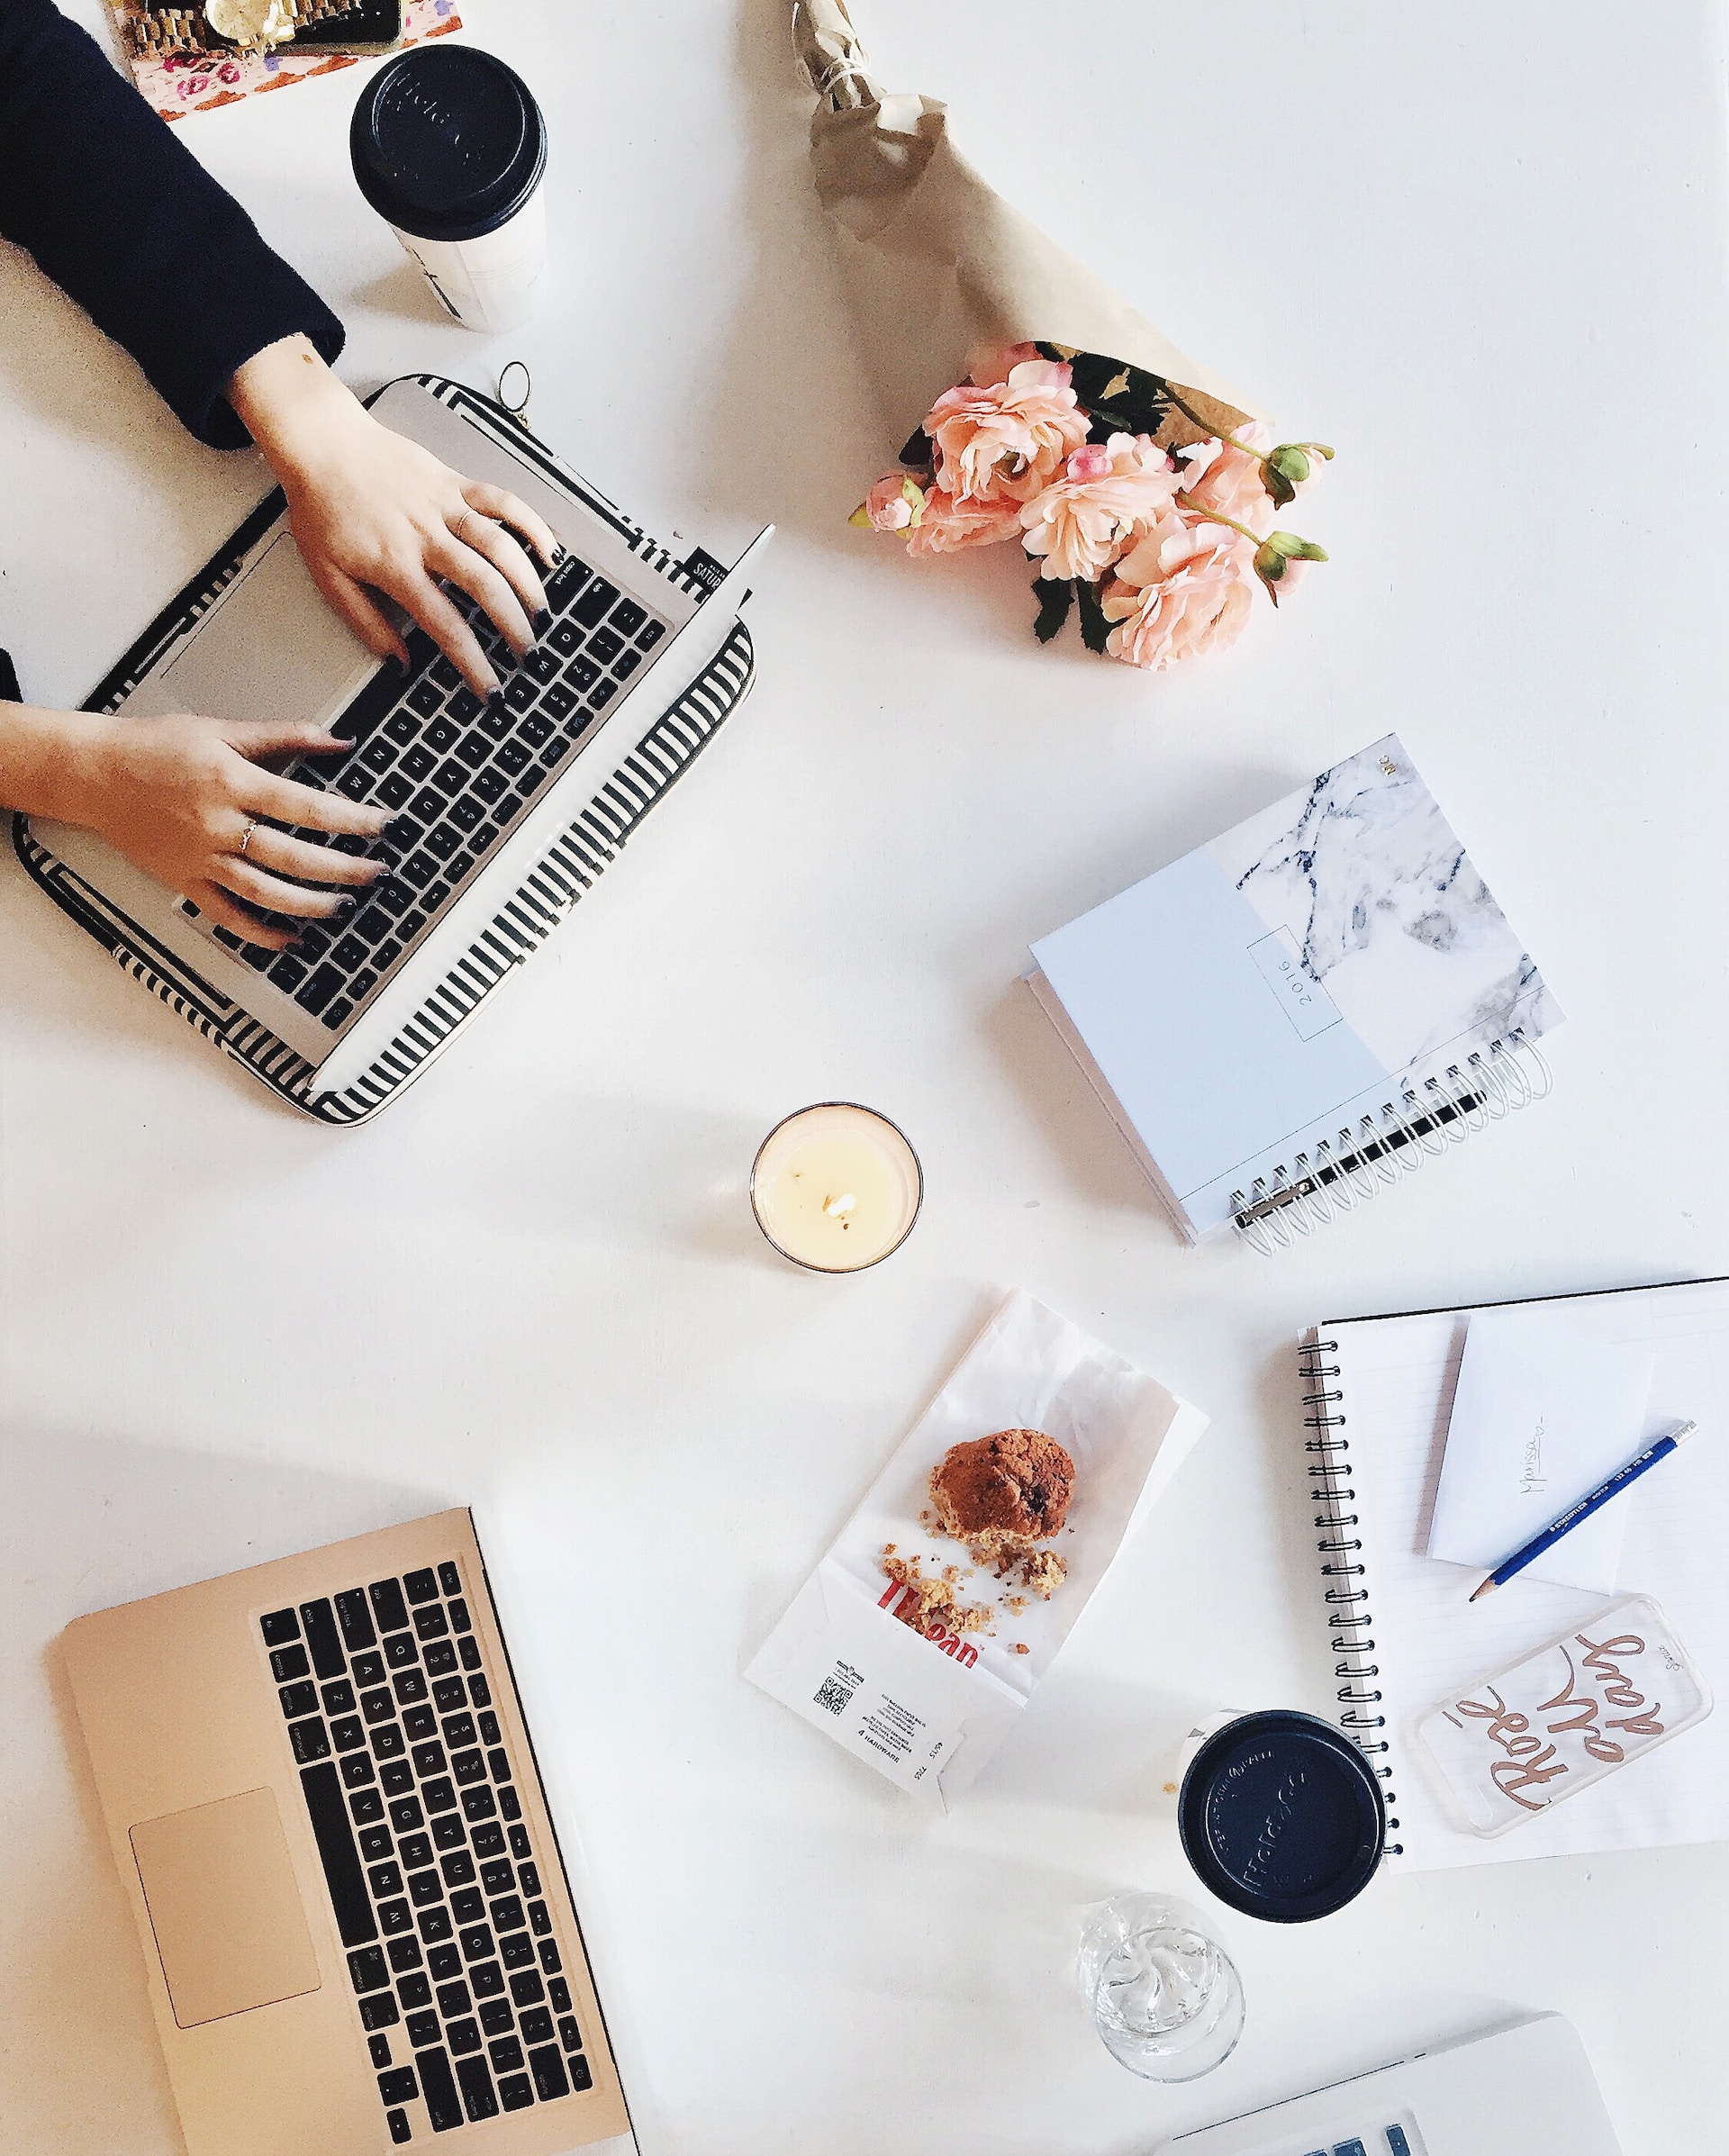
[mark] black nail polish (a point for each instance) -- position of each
(345, 908)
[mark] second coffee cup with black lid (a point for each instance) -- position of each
(449, 147)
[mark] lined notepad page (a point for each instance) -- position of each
(1397, 1376)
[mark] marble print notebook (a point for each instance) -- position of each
(1307, 1009)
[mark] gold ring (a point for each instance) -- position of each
(462, 528)
(246, 837)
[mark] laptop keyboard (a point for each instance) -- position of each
(436, 1891)
(459, 773)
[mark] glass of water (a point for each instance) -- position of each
(1164, 1995)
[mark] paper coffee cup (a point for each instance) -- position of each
(449, 146)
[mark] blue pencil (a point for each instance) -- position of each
(1594, 1502)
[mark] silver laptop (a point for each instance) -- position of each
(506, 810)
(1527, 2089)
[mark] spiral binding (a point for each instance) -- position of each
(1345, 1171)
(1342, 1569)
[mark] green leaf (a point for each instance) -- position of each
(1056, 596)
(1094, 628)
(1277, 485)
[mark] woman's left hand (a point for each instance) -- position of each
(373, 512)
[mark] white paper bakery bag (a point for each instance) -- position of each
(926, 1695)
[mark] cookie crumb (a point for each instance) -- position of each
(926, 1597)
(1021, 1647)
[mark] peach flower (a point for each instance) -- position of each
(1218, 475)
(948, 525)
(1003, 443)
(1184, 590)
(1110, 494)
(892, 504)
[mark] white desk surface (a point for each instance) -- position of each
(1482, 251)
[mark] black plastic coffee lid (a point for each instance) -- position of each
(447, 142)
(1282, 1816)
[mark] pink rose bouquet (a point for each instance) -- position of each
(1141, 511)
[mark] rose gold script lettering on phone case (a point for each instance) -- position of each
(1530, 1762)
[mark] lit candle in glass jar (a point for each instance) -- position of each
(836, 1187)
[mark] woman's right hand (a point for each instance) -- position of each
(176, 794)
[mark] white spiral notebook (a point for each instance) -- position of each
(1304, 1011)
(1401, 1630)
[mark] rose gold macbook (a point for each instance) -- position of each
(324, 1805)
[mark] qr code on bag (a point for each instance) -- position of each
(834, 1695)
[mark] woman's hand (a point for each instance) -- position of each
(178, 795)
(374, 513)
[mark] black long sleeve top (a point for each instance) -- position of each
(113, 207)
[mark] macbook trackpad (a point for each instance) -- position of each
(220, 1887)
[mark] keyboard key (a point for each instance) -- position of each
(370, 927)
(415, 1989)
(309, 1741)
(429, 1759)
(439, 2087)
(337, 1013)
(388, 1604)
(346, 1735)
(516, 2093)
(559, 1992)
(338, 1697)
(366, 1971)
(379, 2011)
(506, 1913)
(435, 1924)
(477, 1944)
(542, 664)
(399, 2129)
(464, 2036)
(458, 1869)
(416, 1852)
(582, 674)
(449, 1695)
(394, 790)
(478, 2095)
(549, 1960)
(376, 1845)
(605, 645)
(289, 1663)
(431, 1623)
(322, 1791)
(454, 1999)
(357, 1768)
(409, 1687)
(601, 694)
(421, 2028)
(517, 1952)
(496, 2015)
(394, 897)
(649, 635)
(628, 617)
(363, 983)
(465, 707)
(523, 693)
(468, 1766)
(394, 1916)
(559, 700)
(443, 841)
(489, 1733)
(551, 2080)
(398, 1779)
(534, 729)
(470, 1648)
(478, 1803)
(348, 954)
(405, 1816)
(441, 736)
(440, 1796)
(448, 1833)
(474, 750)
(511, 758)
(378, 2048)
(379, 754)
(258, 957)
(287, 972)
(446, 675)
(567, 2035)
(439, 1660)
(505, 2054)
(420, 1722)
(385, 1881)
(625, 664)
(318, 992)
(594, 602)
(426, 699)
(580, 2076)
(536, 2024)
(468, 1905)
(410, 927)
(298, 1699)
(388, 1740)
(466, 814)
(376, 1707)
(420, 869)
(352, 1612)
(519, 1842)
(400, 1650)
(535, 775)
(355, 782)
(399, 2086)
(424, 1888)
(526, 1987)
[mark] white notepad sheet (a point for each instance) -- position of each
(1396, 1378)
